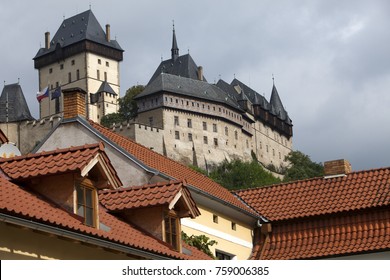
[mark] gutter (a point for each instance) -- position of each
(79, 237)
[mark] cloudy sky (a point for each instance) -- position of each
(330, 59)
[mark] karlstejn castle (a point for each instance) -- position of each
(180, 114)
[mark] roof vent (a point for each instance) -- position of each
(336, 168)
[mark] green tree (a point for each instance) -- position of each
(127, 105)
(201, 242)
(109, 119)
(301, 167)
(238, 174)
(127, 108)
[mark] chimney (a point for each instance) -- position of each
(337, 167)
(108, 35)
(47, 40)
(74, 103)
(200, 73)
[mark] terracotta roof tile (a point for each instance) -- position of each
(141, 196)
(321, 196)
(333, 236)
(172, 168)
(53, 162)
(19, 202)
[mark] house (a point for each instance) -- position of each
(81, 54)
(344, 215)
(68, 202)
(224, 218)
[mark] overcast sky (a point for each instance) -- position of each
(330, 59)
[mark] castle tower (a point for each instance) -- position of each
(81, 54)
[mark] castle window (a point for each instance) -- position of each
(188, 103)
(150, 121)
(204, 125)
(77, 74)
(236, 135)
(189, 136)
(61, 66)
(177, 135)
(189, 123)
(266, 148)
(177, 100)
(107, 64)
(220, 110)
(98, 74)
(215, 219)
(273, 152)
(176, 120)
(247, 143)
(99, 61)
(193, 104)
(226, 131)
(105, 76)
(205, 140)
(86, 205)
(51, 70)
(214, 108)
(215, 141)
(72, 62)
(171, 225)
(215, 127)
(234, 226)
(69, 77)
(280, 155)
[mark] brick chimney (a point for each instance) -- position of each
(200, 73)
(108, 33)
(337, 167)
(74, 103)
(47, 40)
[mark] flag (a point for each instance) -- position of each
(42, 94)
(56, 93)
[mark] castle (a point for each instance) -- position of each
(186, 118)
(180, 114)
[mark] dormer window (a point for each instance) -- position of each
(86, 203)
(172, 233)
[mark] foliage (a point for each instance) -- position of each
(127, 108)
(238, 174)
(127, 105)
(201, 242)
(301, 167)
(109, 119)
(198, 169)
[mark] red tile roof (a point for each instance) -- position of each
(143, 196)
(54, 162)
(321, 196)
(338, 235)
(324, 217)
(172, 168)
(21, 203)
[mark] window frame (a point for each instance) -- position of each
(86, 185)
(170, 237)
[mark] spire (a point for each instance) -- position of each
(175, 49)
(276, 102)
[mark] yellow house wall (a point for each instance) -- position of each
(23, 244)
(237, 243)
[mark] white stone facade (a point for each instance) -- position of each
(86, 71)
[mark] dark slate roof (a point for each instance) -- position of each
(228, 89)
(83, 26)
(277, 106)
(17, 105)
(183, 66)
(105, 87)
(188, 87)
(253, 96)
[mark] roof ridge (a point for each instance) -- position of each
(145, 186)
(99, 145)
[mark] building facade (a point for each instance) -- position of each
(203, 124)
(81, 54)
